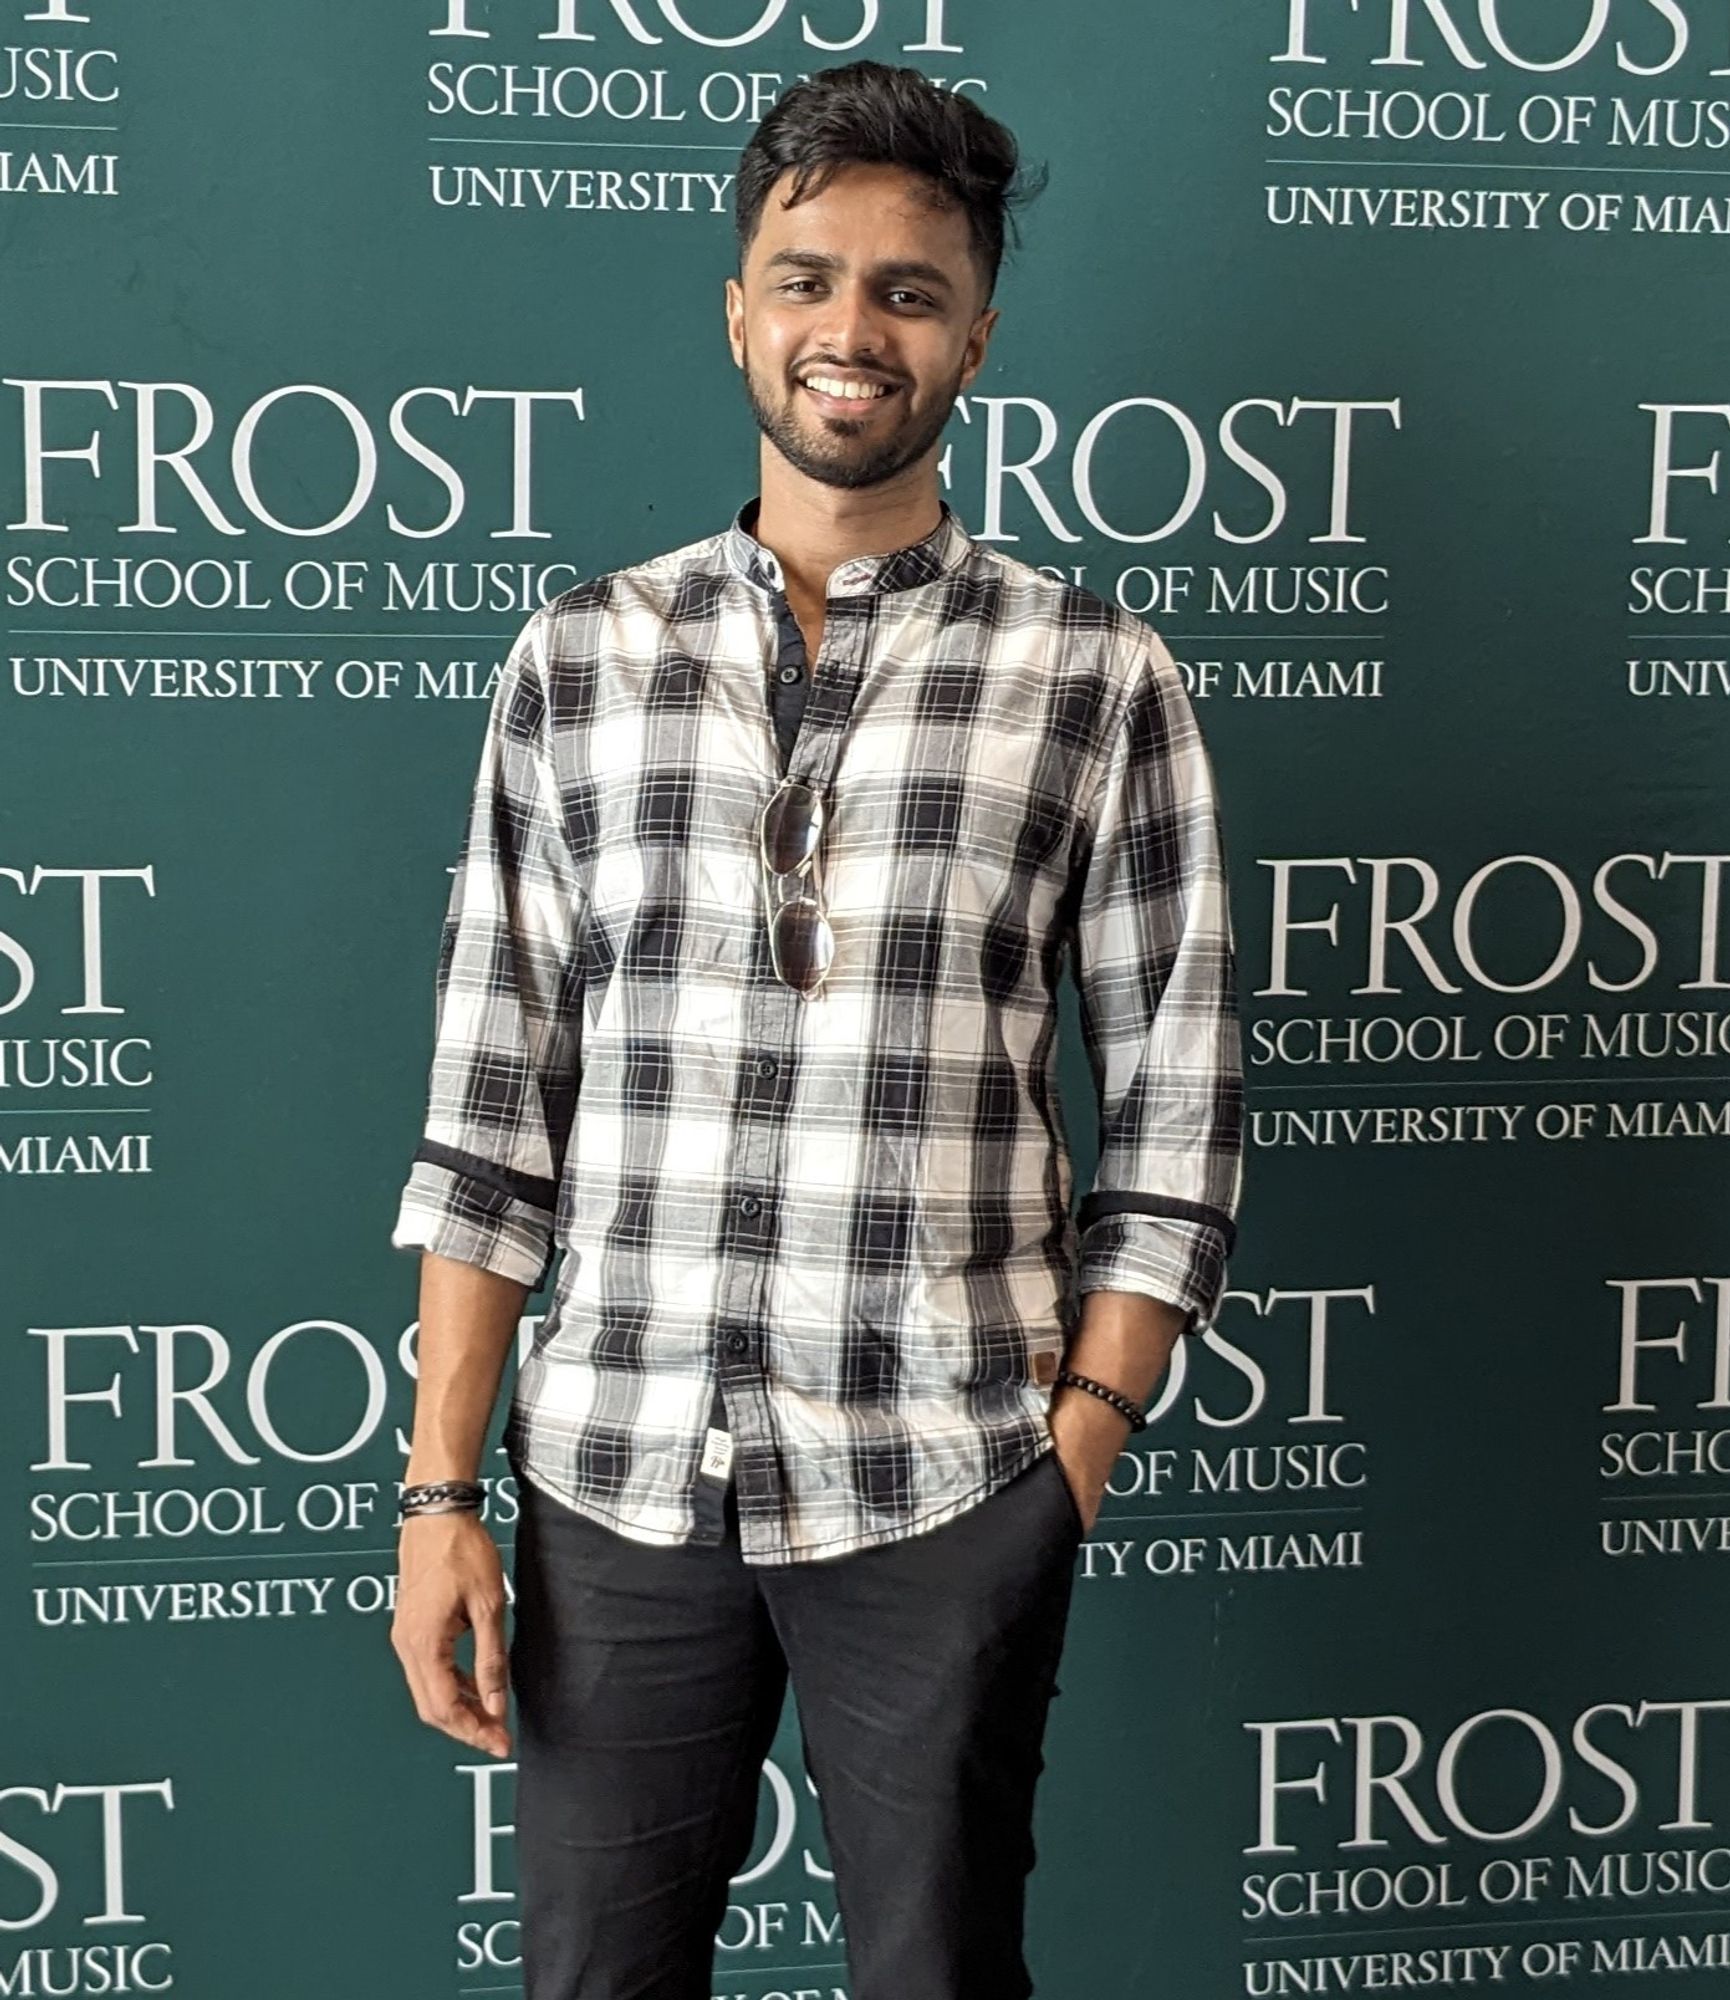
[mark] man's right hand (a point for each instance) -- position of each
(450, 1580)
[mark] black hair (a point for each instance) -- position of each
(873, 113)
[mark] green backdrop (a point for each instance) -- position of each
(1373, 354)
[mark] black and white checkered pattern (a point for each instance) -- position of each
(850, 1213)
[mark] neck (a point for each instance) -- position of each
(813, 528)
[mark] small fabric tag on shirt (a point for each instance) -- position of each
(717, 1453)
(1045, 1367)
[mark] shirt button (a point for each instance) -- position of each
(739, 1343)
(749, 1205)
(789, 675)
(768, 1066)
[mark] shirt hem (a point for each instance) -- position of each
(809, 1551)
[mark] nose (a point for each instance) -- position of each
(851, 328)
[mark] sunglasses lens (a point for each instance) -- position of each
(804, 945)
(791, 824)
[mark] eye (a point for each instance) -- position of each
(918, 298)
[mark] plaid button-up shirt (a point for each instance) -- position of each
(835, 1230)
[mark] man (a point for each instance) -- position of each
(747, 1003)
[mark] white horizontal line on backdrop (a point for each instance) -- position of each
(1504, 1083)
(1475, 1924)
(123, 632)
(195, 1556)
(1230, 1514)
(1492, 166)
(610, 145)
(82, 1111)
(98, 632)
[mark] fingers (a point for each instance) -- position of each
(447, 1698)
(435, 1606)
(492, 1660)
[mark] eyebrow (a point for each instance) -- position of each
(899, 267)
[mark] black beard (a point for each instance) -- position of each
(840, 460)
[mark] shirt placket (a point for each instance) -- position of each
(741, 1403)
(788, 687)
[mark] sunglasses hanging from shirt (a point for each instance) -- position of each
(800, 939)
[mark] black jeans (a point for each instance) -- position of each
(649, 1682)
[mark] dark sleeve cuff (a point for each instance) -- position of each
(1146, 1247)
(476, 1213)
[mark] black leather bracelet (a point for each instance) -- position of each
(1118, 1401)
(442, 1496)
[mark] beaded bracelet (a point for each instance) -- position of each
(1118, 1401)
(442, 1496)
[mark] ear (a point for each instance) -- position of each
(978, 339)
(734, 298)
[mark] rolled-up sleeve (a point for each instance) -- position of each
(1155, 970)
(506, 1061)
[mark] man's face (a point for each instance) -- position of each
(865, 285)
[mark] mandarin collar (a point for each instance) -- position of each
(900, 569)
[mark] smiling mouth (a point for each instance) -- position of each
(835, 401)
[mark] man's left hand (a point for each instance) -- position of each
(1088, 1435)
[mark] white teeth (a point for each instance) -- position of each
(858, 392)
